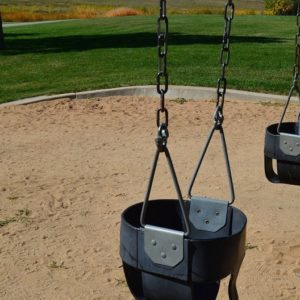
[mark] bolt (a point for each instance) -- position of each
(298, 145)
(198, 210)
(291, 149)
(174, 247)
(285, 142)
(163, 255)
(153, 242)
(217, 213)
(206, 221)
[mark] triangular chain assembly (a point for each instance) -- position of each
(164, 246)
(227, 163)
(161, 142)
(206, 213)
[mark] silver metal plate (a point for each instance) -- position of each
(163, 246)
(289, 144)
(208, 214)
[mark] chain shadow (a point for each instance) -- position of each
(28, 44)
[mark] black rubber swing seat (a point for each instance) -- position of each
(207, 256)
(284, 147)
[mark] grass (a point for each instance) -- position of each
(21, 216)
(249, 246)
(17, 13)
(55, 265)
(33, 10)
(7, 221)
(105, 53)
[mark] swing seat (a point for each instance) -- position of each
(284, 148)
(195, 264)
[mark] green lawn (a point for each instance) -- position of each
(103, 53)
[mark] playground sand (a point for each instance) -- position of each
(69, 168)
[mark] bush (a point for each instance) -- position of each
(282, 7)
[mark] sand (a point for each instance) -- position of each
(69, 168)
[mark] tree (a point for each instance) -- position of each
(2, 43)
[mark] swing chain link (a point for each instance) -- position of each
(162, 80)
(224, 62)
(297, 53)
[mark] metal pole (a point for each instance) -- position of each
(2, 43)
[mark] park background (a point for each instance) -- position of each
(70, 167)
(100, 51)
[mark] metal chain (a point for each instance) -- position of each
(224, 61)
(297, 52)
(296, 73)
(297, 58)
(221, 92)
(162, 80)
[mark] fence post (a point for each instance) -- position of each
(2, 43)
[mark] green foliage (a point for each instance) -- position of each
(282, 7)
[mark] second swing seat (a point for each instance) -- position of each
(284, 148)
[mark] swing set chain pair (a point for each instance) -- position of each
(296, 72)
(162, 80)
(224, 61)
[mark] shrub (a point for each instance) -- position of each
(281, 7)
(122, 12)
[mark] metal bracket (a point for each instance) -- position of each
(208, 214)
(289, 144)
(163, 246)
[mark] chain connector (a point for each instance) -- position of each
(218, 117)
(221, 91)
(162, 137)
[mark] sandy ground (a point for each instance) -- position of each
(69, 168)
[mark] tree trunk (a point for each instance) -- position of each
(2, 43)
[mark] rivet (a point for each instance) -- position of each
(198, 210)
(153, 242)
(291, 149)
(285, 142)
(174, 247)
(206, 221)
(298, 145)
(217, 213)
(163, 255)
